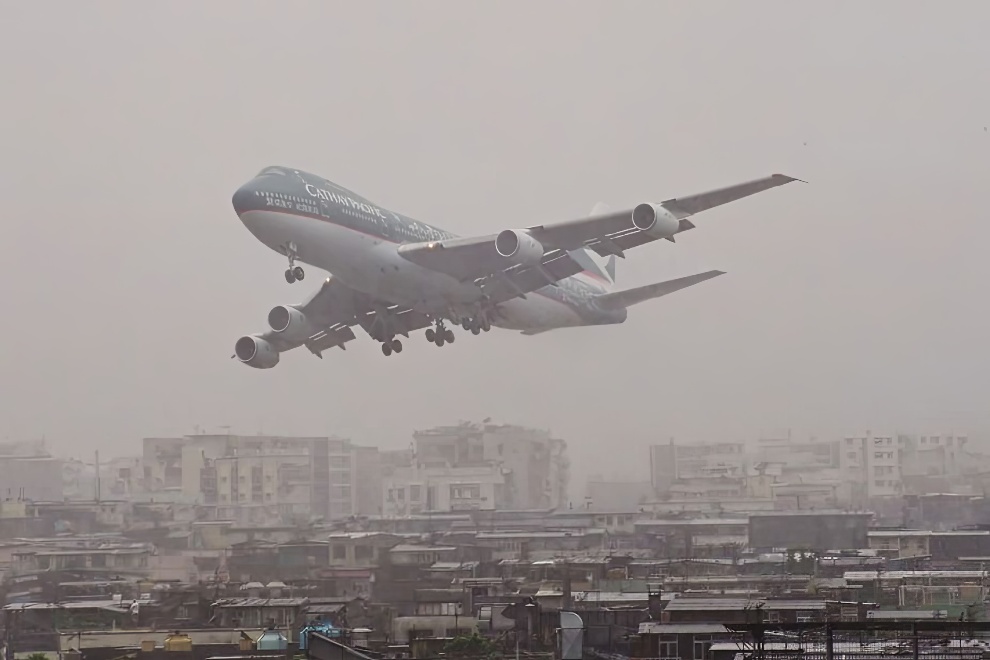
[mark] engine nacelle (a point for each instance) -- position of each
(290, 323)
(519, 246)
(256, 352)
(655, 220)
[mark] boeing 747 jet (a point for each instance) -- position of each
(391, 275)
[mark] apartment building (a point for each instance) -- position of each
(882, 461)
(872, 465)
(678, 463)
(477, 466)
(254, 479)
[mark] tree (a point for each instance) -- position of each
(471, 646)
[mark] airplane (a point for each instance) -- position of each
(391, 275)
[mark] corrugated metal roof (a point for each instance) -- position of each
(692, 522)
(654, 628)
(263, 602)
(919, 575)
(724, 604)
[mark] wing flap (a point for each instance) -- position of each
(629, 297)
(335, 336)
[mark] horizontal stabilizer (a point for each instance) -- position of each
(629, 297)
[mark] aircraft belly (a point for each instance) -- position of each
(536, 313)
(361, 261)
(404, 282)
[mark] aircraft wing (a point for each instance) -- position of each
(630, 297)
(477, 259)
(328, 317)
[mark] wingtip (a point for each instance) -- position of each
(788, 177)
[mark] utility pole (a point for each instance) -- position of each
(98, 475)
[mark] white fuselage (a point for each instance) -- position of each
(372, 265)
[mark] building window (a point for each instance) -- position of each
(667, 648)
(339, 551)
(701, 645)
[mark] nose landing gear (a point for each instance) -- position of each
(294, 272)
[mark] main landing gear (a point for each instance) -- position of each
(293, 272)
(477, 325)
(392, 346)
(441, 335)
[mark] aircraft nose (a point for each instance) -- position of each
(245, 198)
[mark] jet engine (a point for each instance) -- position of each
(519, 246)
(655, 220)
(290, 323)
(256, 352)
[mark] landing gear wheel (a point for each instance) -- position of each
(475, 330)
(448, 336)
(387, 349)
(486, 325)
(439, 340)
(298, 273)
(431, 336)
(396, 346)
(290, 276)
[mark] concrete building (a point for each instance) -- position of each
(421, 487)
(935, 455)
(253, 479)
(477, 466)
(881, 462)
(603, 495)
(367, 488)
(796, 455)
(29, 472)
(340, 454)
(809, 530)
(672, 462)
(872, 465)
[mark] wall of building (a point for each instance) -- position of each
(31, 478)
(417, 489)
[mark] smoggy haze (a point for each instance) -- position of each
(856, 301)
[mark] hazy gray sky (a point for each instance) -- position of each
(857, 301)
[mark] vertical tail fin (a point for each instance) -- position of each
(610, 268)
(593, 263)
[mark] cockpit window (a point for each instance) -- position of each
(271, 170)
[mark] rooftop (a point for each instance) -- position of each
(724, 604)
(692, 521)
